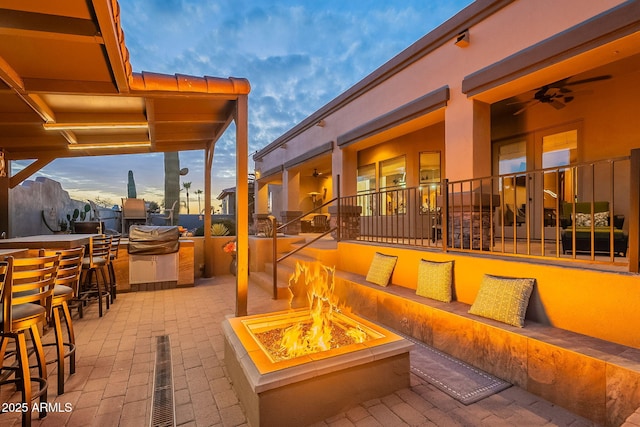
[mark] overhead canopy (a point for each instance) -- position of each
(67, 89)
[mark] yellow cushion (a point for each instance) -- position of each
(434, 280)
(504, 299)
(381, 268)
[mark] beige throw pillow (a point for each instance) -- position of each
(434, 280)
(504, 299)
(381, 268)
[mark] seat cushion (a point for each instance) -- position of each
(504, 299)
(24, 311)
(61, 293)
(434, 280)
(97, 261)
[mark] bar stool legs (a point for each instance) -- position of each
(61, 345)
(22, 376)
(66, 287)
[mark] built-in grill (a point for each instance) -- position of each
(153, 257)
(153, 240)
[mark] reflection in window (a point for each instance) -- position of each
(560, 149)
(393, 174)
(366, 184)
(512, 157)
(429, 180)
(430, 167)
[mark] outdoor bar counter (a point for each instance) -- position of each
(47, 241)
(21, 246)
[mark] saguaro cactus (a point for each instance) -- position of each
(131, 187)
(171, 179)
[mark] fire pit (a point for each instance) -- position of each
(283, 389)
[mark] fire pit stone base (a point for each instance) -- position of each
(298, 394)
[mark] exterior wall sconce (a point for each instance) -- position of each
(462, 39)
(321, 123)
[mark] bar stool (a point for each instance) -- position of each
(113, 255)
(26, 302)
(97, 259)
(66, 288)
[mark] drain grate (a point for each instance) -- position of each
(162, 405)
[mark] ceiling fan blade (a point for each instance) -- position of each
(589, 80)
(527, 105)
(557, 104)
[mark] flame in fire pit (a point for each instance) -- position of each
(320, 332)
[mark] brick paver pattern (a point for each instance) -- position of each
(115, 360)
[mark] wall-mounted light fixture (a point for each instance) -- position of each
(321, 123)
(462, 39)
(314, 197)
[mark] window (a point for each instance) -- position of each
(560, 149)
(366, 178)
(429, 180)
(512, 157)
(430, 167)
(366, 184)
(393, 174)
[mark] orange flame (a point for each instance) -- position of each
(315, 335)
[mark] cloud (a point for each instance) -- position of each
(297, 56)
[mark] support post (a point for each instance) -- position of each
(274, 255)
(634, 211)
(242, 204)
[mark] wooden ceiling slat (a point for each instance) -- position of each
(47, 24)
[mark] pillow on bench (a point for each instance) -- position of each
(434, 280)
(381, 268)
(504, 299)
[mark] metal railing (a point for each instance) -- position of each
(408, 216)
(280, 228)
(581, 212)
(572, 212)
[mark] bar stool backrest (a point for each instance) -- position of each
(29, 280)
(115, 245)
(4, 269)
(69, 267)
(99, 250)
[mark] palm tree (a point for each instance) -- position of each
(199, 192)
(186, 186)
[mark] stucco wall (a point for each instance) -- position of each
(29, 199)
(600, 304)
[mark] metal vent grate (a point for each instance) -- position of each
(162, 405)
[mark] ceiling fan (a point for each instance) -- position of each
(557, 94)
(316, 174)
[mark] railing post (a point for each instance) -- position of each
(274, 254)
(444, 190)
(634, 211)
(339, 219)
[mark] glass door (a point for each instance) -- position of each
(555, 152)
(510, 161)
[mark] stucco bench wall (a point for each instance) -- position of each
(596, 379)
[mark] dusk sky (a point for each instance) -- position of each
(297, 56)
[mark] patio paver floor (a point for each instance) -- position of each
(115, 360)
